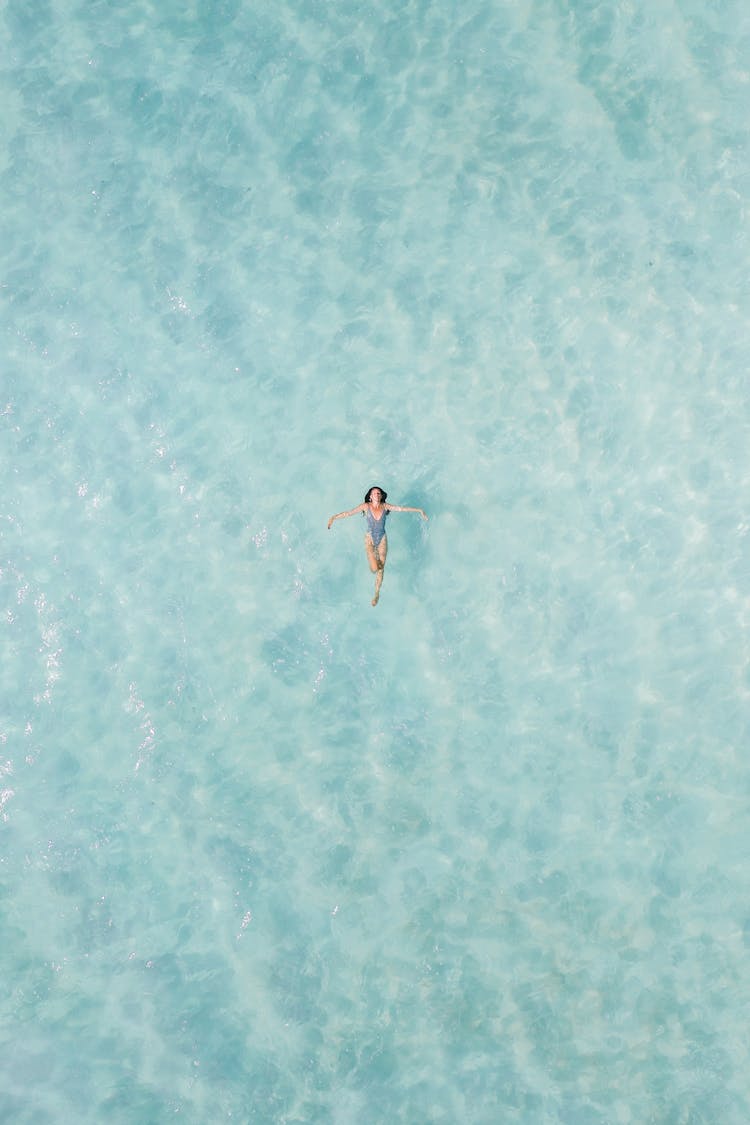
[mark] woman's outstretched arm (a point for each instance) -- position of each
(400, 508)
(342, 515)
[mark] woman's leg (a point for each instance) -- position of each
(380, 553)
(372, 557)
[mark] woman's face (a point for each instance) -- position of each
(375, 496)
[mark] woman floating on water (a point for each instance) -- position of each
(375, 509)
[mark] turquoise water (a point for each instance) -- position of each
(478, 855)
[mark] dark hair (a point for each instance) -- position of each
(380, 490)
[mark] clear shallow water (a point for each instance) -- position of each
(478, 855)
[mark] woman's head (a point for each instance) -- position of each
(375, 488)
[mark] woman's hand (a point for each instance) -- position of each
(330, 522)
(423, 513)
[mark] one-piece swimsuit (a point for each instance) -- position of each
(376, 527)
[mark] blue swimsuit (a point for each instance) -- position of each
(376, 527)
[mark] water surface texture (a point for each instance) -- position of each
(478, 855)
